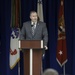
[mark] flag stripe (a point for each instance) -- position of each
(12, 13)
(17, 13)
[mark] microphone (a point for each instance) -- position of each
(32, 24)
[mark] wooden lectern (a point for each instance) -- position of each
(32, 53)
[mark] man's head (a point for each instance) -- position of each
(33, 16)
(50, 72)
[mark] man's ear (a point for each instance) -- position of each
(30, 16)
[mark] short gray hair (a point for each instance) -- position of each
(50, 72)
(33, 12)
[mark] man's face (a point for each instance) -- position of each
(33, 16)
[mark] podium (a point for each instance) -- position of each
(32, 54)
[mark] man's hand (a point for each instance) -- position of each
(45, 47)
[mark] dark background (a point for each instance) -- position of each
(50, 17)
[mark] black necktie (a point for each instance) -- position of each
(33, 29)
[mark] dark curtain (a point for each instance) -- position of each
(5, 20)
(51, 8)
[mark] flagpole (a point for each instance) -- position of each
(64, 69)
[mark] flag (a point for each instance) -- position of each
(14, 50)
(40, 10)
(15, 30)
(40, 18)
(15, 13)
(61, 55)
